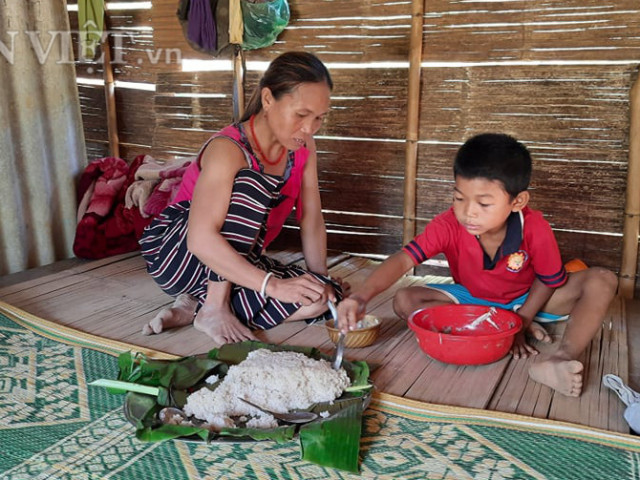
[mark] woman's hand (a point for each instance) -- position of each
(305, 289)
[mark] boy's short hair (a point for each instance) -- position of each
(495, 156)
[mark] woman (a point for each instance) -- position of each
(206, 249)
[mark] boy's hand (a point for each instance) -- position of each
(350, 310)
(329, 294)
(346, 286)
(520, 347)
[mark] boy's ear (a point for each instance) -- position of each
(520, 201)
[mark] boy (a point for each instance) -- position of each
(500, 253)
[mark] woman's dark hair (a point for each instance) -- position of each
(495, 156)
(284, 74)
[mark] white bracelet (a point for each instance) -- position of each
(263, 289)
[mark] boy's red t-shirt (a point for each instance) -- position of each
(529, 250)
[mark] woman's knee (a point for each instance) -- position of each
(308, 311)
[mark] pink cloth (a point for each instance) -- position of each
(156, 185)
(290, 190)
(101, 181)
(105, 226)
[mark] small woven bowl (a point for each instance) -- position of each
(362, 337)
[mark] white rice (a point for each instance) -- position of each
(277, 381)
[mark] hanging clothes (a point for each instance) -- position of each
(90, 26)
(201, 28)
(220, 18)
(236, 27)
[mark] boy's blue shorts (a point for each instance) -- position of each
(460, 294)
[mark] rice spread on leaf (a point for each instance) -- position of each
(277, 381)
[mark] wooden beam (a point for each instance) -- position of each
(109, 93)
(413, 120)
(631, 230)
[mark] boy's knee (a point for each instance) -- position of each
(401, 299)
(603, 281)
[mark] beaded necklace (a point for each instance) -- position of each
(259, 148)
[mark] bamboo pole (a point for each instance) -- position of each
(629, 265)
(238, 83)
(413, 120)
(110, 94)
(236, 32)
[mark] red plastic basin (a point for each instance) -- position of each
(442, 335)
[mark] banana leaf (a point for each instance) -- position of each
(175, 377)
(141, 410)
(332, 441)
(178, 374)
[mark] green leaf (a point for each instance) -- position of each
(140, 410)
(190, 370)
(358, 388)
(164, 398)
(126, 364)
(117, 386)
(169, 432)
(359, 373)
(282, 434)
(335, 441)
(175, 374)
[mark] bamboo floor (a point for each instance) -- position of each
(115, 297)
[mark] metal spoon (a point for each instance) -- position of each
(289, 417)
(485, 317)
(337, 359)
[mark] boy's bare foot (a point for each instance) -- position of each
(221, 325)
(178, 315)
(538, 332)
(564, 376)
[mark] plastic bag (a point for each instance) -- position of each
(263, 22)
(629, 397)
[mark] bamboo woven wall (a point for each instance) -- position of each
(554, 74)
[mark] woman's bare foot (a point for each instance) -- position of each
(564, 376)
(178, 315)
(538, 332)
(221, 325)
